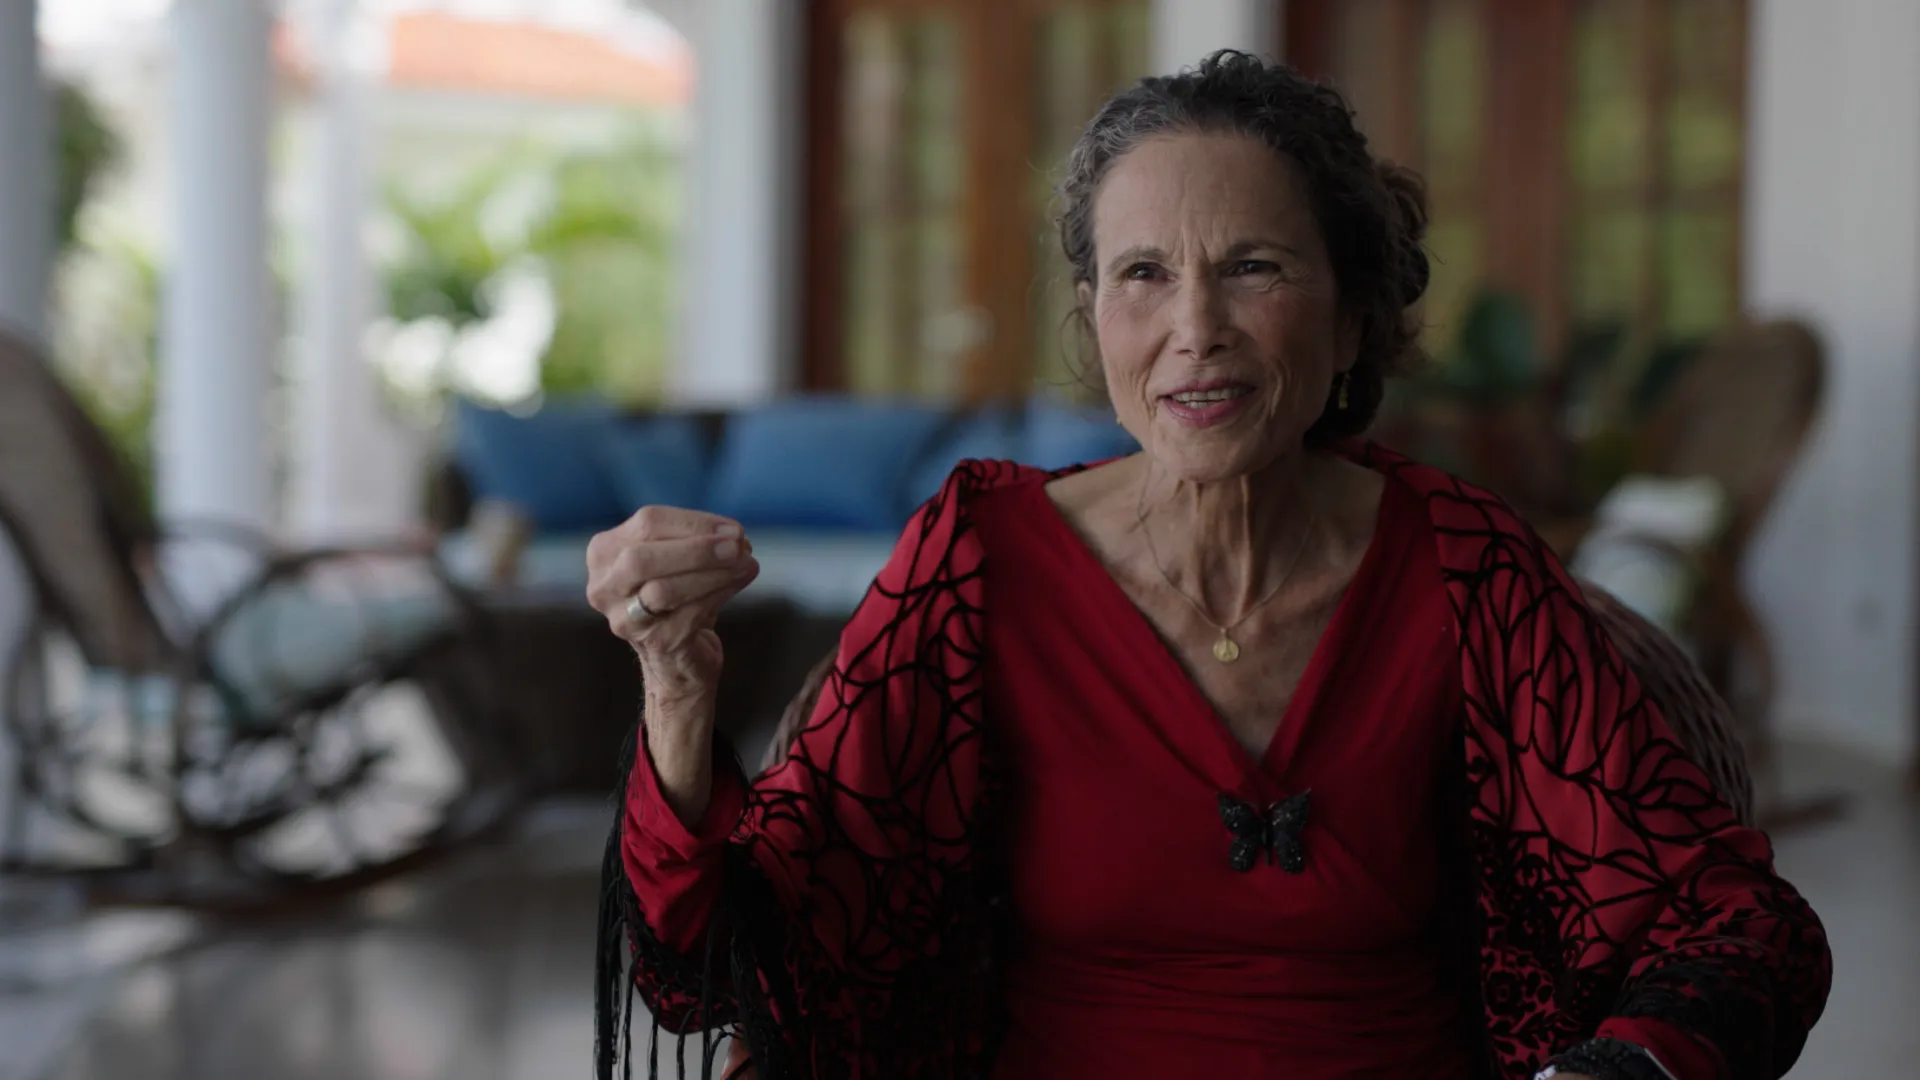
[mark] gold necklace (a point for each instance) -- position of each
(1226, 650)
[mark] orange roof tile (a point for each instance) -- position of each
(434, 50)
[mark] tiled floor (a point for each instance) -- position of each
(1862, 875)
(482, 970)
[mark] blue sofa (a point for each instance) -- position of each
(823, 484)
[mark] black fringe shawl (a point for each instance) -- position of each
(626, 948)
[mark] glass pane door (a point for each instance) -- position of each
(1700, 219)
(1428, 111)
(1453, 152)
(1086, 52)
(1613, 171)
(1655, 155)
(903, 167)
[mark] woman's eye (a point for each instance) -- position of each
(1252, 266)
(1141, 272)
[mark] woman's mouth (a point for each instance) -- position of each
(1209, 405)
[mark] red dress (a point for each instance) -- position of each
(845, 912)
(1138, 951)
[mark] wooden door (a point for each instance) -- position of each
(1584, 153)
(935, 130)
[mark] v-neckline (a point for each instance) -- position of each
(1266, 773)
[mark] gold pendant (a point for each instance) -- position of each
(1225, 650)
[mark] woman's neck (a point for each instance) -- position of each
(1230, 544)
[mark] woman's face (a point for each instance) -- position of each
(1214, 304)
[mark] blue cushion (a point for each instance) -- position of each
(657, 461)
(990, 434)
(822, 463)
(1058, 436)
(547, 463)
(287, 642)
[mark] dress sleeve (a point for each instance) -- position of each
(674, 867)
(1617, 858)
(851, 862)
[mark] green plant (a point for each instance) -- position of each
(607, 241)
(1582, 408)
(1664, 366)
(85, 147)
(107, 341)
(106, 327)
(602, 236)
(447, 258)
(1496, 357)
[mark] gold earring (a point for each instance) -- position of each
(1346, 379)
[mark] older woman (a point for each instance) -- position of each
(1262, 752)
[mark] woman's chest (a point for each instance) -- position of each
(1247, 674)
(1163, 800)
(1118, 841)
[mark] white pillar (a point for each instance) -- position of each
(26, 174)
(1185, 31)
(738, 340)
(1833, 235)
(25, 213)
(216, 357)
(349, 473)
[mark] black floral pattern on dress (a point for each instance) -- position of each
(859, 935)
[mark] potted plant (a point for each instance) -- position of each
(1551, 433)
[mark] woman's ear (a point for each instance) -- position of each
(1090, 375)
(1347, 340)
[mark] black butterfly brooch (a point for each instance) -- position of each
(1275, 833)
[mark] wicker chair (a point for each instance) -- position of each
(1740, 415)
(325, 720)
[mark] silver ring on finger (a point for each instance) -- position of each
(638, 611)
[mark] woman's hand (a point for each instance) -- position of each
(683, 566)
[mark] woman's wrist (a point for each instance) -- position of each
(679, 743)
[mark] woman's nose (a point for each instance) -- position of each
(1200, 324)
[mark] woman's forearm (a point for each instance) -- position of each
(680, 742)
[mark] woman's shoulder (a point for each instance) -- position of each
(945, 533)
(1487, 550)
(1458, 508)
(973, 478)
(941, 530)
(975, 484)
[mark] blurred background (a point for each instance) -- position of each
(331, 329)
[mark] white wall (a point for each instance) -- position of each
(213, 439)
(353, 472)
(1833, 234)
(1185, 31)
(738, 340)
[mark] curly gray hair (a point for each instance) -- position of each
(1372, 214)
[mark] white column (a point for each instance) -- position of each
(26, 174)
(738, 337)
(216, 356)
(1833, 235)
(349, 473)
(1185, 31)
(25, 213)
